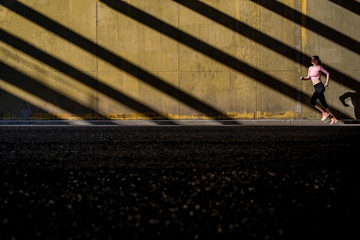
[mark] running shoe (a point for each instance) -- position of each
(333, 120)
(325, 115)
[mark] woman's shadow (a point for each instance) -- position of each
(355, 100)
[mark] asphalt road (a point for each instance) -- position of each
(179, 182)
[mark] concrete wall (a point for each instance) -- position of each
(176, 59)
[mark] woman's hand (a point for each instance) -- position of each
(302, 78)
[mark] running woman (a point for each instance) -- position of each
(314, 74)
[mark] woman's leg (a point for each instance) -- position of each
(318, 107)
(324, 103)
(313, 99)
(328, 110)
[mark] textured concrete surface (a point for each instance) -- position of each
(234, 122)
(179, 182)
(180, 59)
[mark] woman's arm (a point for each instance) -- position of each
(327, 75)
(308, 76)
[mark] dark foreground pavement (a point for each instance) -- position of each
(179, 182)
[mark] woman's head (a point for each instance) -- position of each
(316, 60)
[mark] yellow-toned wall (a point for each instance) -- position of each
(174, 59)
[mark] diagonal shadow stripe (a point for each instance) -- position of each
(34, 87)
(311, 24)
(76, 74)
(241, 28)
(263, 39)
(111, 58)
(16, 98)
(350, 5)
(212, 52)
